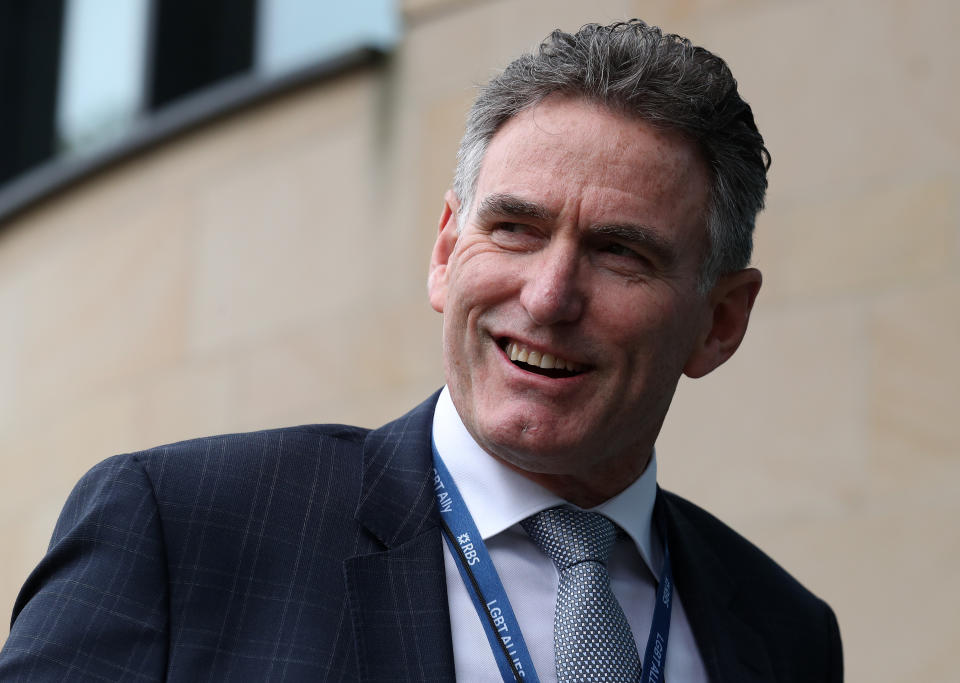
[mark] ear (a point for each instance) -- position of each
(730, 301)
(438, 279)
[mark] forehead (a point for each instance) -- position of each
(582, 161)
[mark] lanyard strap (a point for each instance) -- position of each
(481, 579)
(655, 655)
(490, 599)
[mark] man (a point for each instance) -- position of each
(594, 248)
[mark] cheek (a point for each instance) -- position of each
(461, 333)
(480, 290)
(655, 336)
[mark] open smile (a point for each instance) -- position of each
(539, 362)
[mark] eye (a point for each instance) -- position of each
(621, 258)
(619, 250)
(515, 236)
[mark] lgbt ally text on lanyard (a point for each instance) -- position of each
(490, 600)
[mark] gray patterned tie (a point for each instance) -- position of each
(591, 635)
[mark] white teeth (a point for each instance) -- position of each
(546, 361)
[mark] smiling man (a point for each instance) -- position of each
(571, 294)
(595, 248)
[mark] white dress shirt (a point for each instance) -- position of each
(498, 499)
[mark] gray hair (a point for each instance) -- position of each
(635, 69)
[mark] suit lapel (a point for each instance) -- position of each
(398, 596)
(732, 650)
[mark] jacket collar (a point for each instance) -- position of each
(732, 650)
(398, 596)
(397, 502)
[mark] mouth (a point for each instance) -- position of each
(539, 362)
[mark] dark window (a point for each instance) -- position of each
(29, 67)
(197, 44)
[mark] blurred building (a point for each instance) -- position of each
(217, 217)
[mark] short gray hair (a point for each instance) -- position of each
(635, 69)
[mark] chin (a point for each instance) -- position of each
(529, 452)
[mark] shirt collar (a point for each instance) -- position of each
(499, 497)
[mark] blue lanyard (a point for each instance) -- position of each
(655, 656)
(490, 599)
(481, 579)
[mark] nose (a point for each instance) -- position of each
(552, 291)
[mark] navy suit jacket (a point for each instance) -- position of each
(313, 553)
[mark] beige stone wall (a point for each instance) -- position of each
(270, 269)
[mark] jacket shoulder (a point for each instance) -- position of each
(747, 564)
(274, 440)
(716, 567)
(230, 464)
(226, 534)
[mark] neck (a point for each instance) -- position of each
(587, 490)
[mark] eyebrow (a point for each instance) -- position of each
(510, 205)
(640, 235)
(647, 237)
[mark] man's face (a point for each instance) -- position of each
(583, 243)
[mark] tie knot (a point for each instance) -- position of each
(569, 536)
